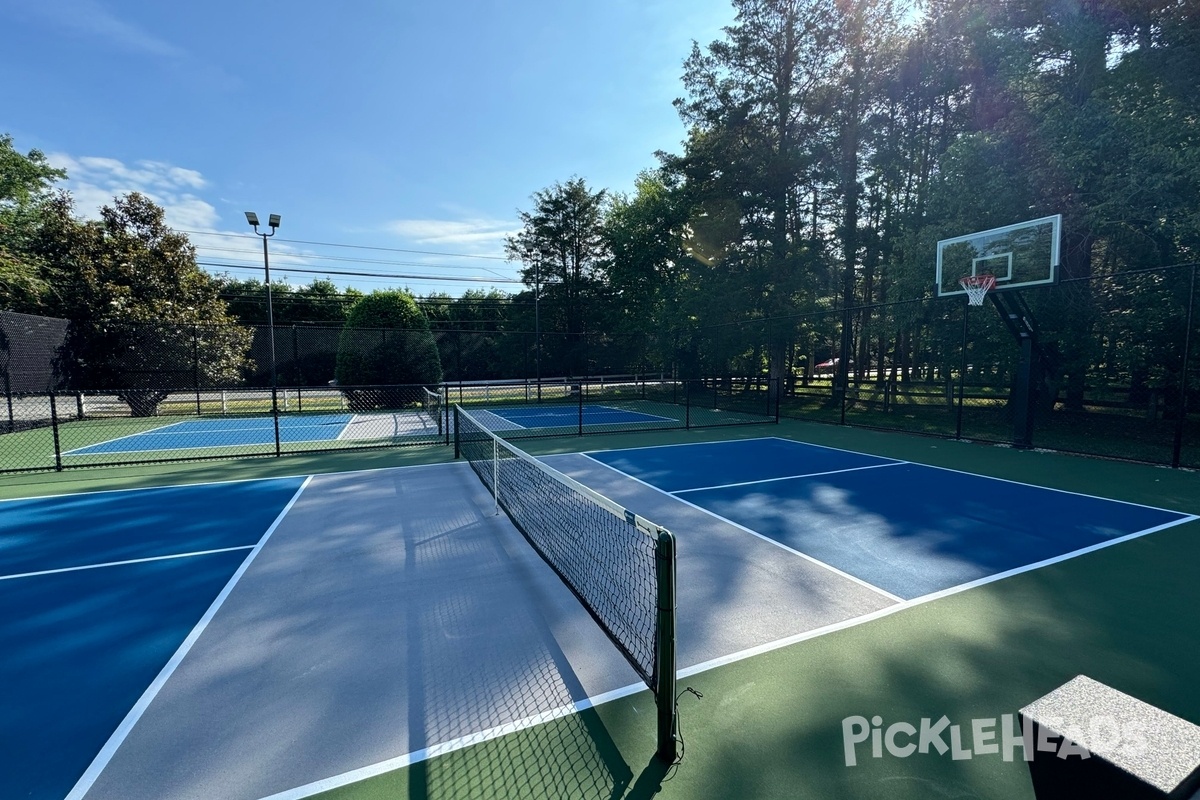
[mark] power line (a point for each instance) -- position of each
(353, 246)
(281, 257)
(344, 298)
(380, 275)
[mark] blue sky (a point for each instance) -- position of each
(411, 125)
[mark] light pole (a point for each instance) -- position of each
(273, 223)
(537, 323)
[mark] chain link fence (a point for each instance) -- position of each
(1112, 366)
(67, 429)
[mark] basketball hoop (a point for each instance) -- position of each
(977, 287)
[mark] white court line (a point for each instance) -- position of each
(269, 443)
(223, 483)
(652, 417)
(131, 719)
(162, 431)
(991, 477)
(126, 436)
(874, 455)
(917, 601)
(504, 421)
(790, 477)
(701, 444)
(441, 749)
(752, 532)
(408, 759)
(123, 563)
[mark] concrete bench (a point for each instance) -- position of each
(1091, 741)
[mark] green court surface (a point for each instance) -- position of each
(770, 725)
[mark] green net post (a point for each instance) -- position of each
(665, 656)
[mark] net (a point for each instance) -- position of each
(431, 404)
(977, 287)
(605, 554)
(621, 566)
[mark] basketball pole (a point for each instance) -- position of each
(962, 371)
(1181, 415)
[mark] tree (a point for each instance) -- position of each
(562, 246)
(319, 302)
(145, 319)
(386, 343)
(653, 272)
(25, 189)
(761, 108)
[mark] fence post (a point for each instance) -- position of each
(457, 441)
(196, 365)
(298, 372)
(687, 403)
(580, 393)
(8, 397)
(79, 405)
(1181, 415)
(58, 465)
(275, 416)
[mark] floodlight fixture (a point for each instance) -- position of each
(273, 222)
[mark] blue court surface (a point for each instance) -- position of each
(907, 529)
(222, 432)
(97, 591)
(564, 416)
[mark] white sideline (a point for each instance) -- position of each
(114, 742)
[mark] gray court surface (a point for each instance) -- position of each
(735, 590)
(369, 427)
(393, 610)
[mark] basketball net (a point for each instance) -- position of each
(977, 287)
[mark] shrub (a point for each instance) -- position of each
(386, 342)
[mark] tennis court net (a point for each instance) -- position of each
(432, 405)
(621, 566)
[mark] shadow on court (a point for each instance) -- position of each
(574, 758)
(392, 619)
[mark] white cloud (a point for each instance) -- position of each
(475, 234)
(94, 181)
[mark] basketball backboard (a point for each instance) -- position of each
(1024, 254)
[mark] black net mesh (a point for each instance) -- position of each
(432, 405)
(604, 554)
